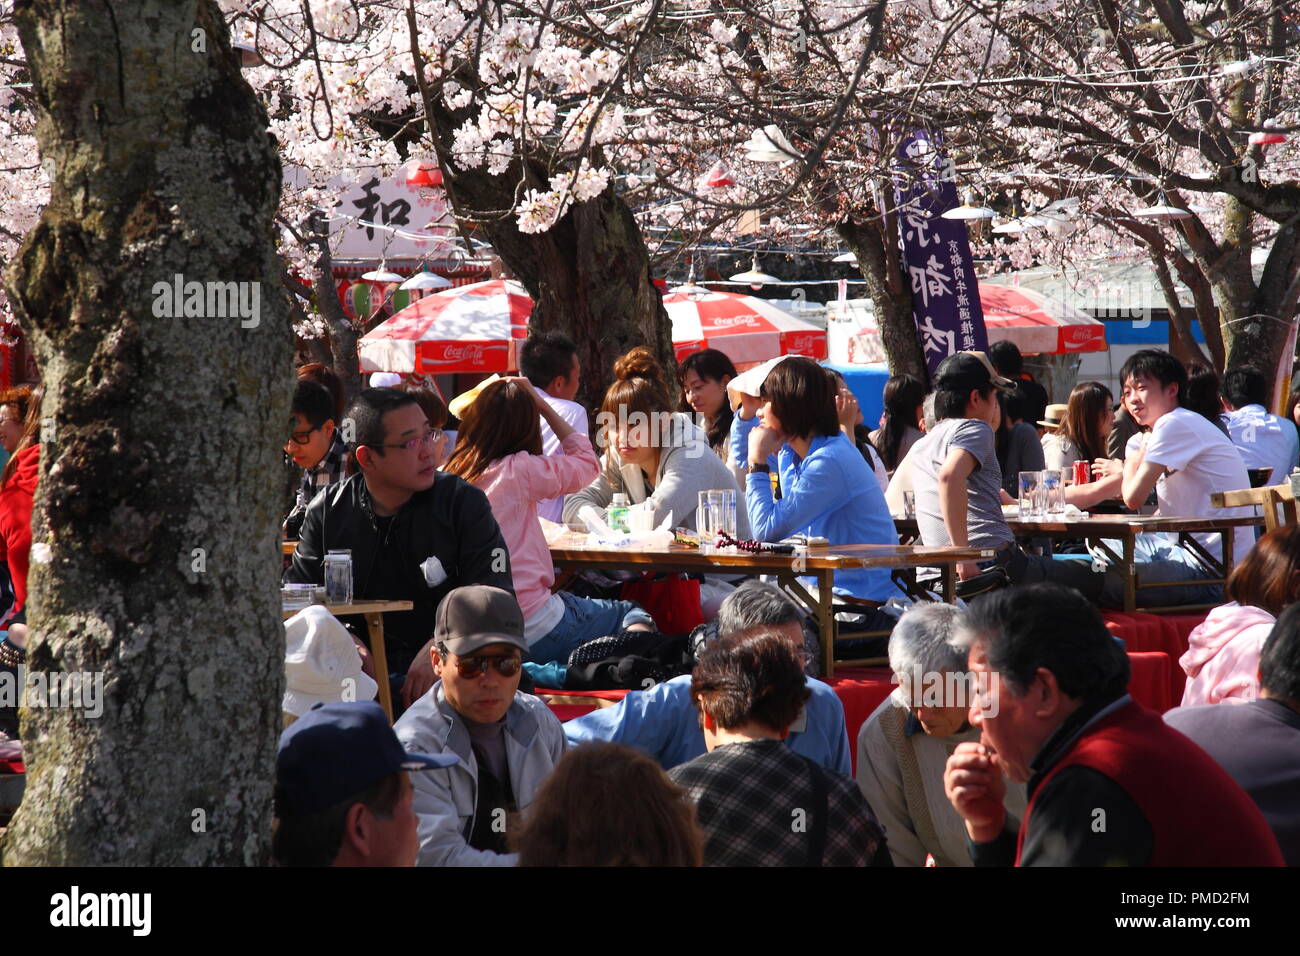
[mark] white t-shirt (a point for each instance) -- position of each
(1264, 440)
(552, 509)
(1200, 460)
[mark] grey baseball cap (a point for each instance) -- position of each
(471, 618)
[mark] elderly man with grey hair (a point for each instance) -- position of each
(904, 746)
(663, 722)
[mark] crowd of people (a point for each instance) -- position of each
(740, 755)
(744, 758)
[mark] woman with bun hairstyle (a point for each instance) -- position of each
(499, 450)
(650, 453)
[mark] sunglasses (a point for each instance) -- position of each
(472, 668)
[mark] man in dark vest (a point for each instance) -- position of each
(1109, 783)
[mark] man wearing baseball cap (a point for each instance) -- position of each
(506, 743)
(342, 797)
(958, 480)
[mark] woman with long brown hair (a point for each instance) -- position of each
(499, 450)
(651, 454)
(1083, 431)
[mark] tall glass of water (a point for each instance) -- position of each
(715, 512)
(338, 576)
(1054, 491)
(1030, 495)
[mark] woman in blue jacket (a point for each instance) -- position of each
(827, 490)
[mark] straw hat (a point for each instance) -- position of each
(1053, 416)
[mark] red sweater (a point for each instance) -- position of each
(16, 519)
(1199, 816)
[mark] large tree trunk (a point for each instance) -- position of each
(1261, 332)
(588, 275)
(155, 563)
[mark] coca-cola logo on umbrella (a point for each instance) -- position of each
(731, 321)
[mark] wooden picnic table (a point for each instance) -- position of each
(373, 612)
(1095, 529)
(572, 554)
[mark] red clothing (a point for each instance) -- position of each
(16, 519)
(1198, 815)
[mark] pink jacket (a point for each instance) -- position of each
(515, 485)
(1222, 659)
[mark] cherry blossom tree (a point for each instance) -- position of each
(153, 556)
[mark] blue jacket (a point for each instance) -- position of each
(832, 494)
(664, 723)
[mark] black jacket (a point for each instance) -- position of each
(451, 521)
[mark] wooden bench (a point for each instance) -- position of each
(1277, 501)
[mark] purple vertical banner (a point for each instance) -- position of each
(936, 252)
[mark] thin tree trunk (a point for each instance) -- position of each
(891, 298)
(155, 561)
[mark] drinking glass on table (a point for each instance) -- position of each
(1031, 495)
(715, 512)
(1054, 490)
(909, 504)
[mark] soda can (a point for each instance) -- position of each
(1082, 473)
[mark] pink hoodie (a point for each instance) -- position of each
(1222, 659)
(514, 485)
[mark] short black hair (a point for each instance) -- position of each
(951, 403)
(313, 839)
(802, 397)
(1158, 365)
(1279, 661)
(1053, 627)
(368, 411)
(546, 356)
(1006, 358)
(313, 402)
(1244, 385)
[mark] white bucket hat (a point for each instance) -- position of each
(321, 664)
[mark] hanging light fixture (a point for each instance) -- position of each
(423, 282)
(690, 288)
(381, 275)
(754, 277)
(769, 145)
(1163, 210)
(718, 177)
(969, 210)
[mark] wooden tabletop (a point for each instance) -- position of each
(363, 607)
(1107, 525)
(288, 547)
(571, 548)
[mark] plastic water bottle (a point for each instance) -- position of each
(616, 513)
(338, 577)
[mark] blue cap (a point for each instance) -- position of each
(337, 750)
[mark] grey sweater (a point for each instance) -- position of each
(686, 467)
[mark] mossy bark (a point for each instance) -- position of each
(154, 557)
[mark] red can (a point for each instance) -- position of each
(1082, 473)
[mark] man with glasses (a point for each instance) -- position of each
(415, 533)
(507, 742)
(315, 446)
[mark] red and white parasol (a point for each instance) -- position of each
(472, 328)
(745, 328)
(1039, 324)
